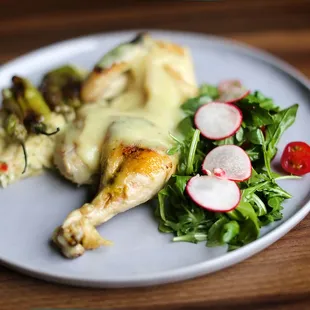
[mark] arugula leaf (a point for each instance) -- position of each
(254, 153)
(256, 178)
(229, 231)
(259, 207)
(191, 153)
(274, 215)
(180, 182)
(281, 121)
(264, 102)
(240, 135)
(275, 202)
(246, 193)
(161, 199)
(215, 232)
(186, 127)
(238, 139)
(209, 90)
(249, 229)
(254, 115)
(260, 117)
(256, 136)
(229, 140)
(235, 215)
(191, 237)
(275, 190)
(207, 93)
(191, 105)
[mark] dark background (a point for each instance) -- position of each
(280, 26)
(278, 277)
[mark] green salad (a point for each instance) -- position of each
(261, 200)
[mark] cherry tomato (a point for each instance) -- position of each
(296, 158)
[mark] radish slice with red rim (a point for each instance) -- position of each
(214, 194)
(231, 91)
(218, 120)
(232, 159)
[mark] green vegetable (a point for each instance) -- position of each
(215, 233)
(281, 121)
(25, 101)
(61, 89)
(265, 103)
(207, 93)
(209, 90)
(191, 153)
(229, 231)
(27, 112)
(262, 198)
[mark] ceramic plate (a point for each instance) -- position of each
(141, 256)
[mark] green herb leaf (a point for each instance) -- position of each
(209, 90)
(180, 183)
(254, 153)
(191, 105)
(264, 102)
(215, 232)
(259, 207)
(275, 202)
(229, 140)
(186, 127)
(191, 153)
(256, 136)
(230, 230)
(249, 229)
(281, 121)
(240, 135)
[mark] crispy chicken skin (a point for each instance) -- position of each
(122, 134)
(131, 176)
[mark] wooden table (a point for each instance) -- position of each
(277, 278)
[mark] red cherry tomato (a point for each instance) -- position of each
(296, 158)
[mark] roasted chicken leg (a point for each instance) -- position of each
(133, 171)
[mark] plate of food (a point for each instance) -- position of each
(134, 159)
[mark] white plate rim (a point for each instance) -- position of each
(199, 269)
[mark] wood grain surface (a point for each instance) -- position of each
(277, 278)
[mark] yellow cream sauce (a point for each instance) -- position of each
(152, 96)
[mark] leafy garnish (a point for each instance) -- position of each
(262, 198)
(207, 93)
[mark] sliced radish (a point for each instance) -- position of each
(218, 120)
(232, 159)
(212, 193)
(219, 172)
(231, 91)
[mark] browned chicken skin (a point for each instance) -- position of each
(143, 83)
(131, 176)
